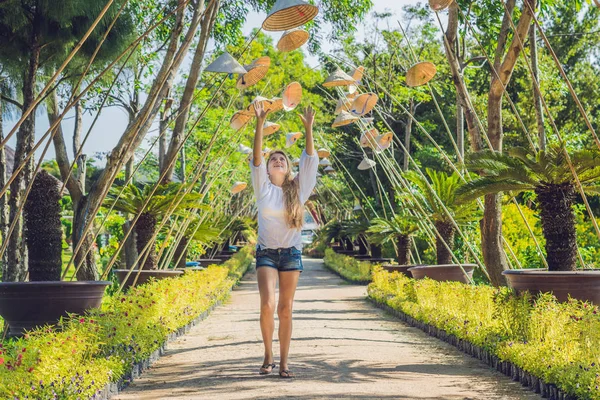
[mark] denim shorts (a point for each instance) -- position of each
(282, 259)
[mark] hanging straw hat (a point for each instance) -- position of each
(226, 64)
(296, 161)
(420, 73)
(291, 96)
(367, 121)
(256, 71)
(329, 170)
(266, 152)
(597, 2)
(322, 153)
(324, 162)
(238, 187)
(244, 149)
(239, 120)
(363, 104)
(292, 40)
(358, 73)
(384, 141)
(268, 105)
(342, 105)
(366, 164)
(277, 104)
(270, 128)
(291, 138)
(338, 78)
(367, 139)
(439, 5)
(344, 118)
(289, 14)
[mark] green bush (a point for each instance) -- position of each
(87, 352)
(348, 267)
(557, 342)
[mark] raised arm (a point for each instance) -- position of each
(308, 117)
(261, 115)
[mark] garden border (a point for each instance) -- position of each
(533, 383)
(358, 283)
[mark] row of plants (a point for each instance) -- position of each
(84, 353)
(348, 267)
(554, 341)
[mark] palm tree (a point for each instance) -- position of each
(548, 174)
(399, 229)
(205, 234)
(435, 198)
(132, 201)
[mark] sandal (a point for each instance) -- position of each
(267, 369)
(285, 373)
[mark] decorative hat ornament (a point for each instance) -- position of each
(289, 14)
(344, 118)
(322, 153)
(291, 96)
(225, 64)
(329, 170)
(358, 73)
(296, 161)
(324, 162)
(367, 121)
(439, 5)
(256, 71)
(268, 105)
(266, 152)
(342, 105)
(244, 149)
(277, 104)
(383, 142)
(292, 138)
(270, 128)
(363, 104)
(239, 120)
(318, 174)
(338, 78)
(292, 40)
(367, 139)
(420, 73)
(238, 187)
(366, 164)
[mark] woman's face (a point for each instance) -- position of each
(277, 165)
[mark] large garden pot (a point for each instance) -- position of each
(376, 260)
(25, 305)
(205, 262)
(445, 272)
(401, 269)
(144, 275)
(581, 285)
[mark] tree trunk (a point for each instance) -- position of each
(460, 128)
(81, 160)
(181, 253)
(558, 225)
(4, 199)
(407, 133)
(537, 101)
(445, 230)
(403, 244)
(131, 253)
(145, 227)
(84, 260)
(362, 245)
(375, 250)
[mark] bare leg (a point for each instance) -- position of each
(267, 281)
(287, 289)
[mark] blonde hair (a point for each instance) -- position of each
(294, 211)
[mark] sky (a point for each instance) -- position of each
(113, 120)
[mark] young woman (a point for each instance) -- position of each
(280, 199)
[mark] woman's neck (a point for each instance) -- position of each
(277, 180)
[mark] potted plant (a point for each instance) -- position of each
(398, 229)
(45, 298)
(438, 198)
(549, 176)
(203, 233)
(151, 208)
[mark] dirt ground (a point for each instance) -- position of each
(342, 348)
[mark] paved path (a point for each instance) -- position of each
(342, 348)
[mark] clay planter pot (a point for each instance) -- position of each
(190, 269)
(346, 252)
(144, 276)
(446, 272)
(205, 262)
(24, 305)
(402, 269)
(374, 260)
(581, 285)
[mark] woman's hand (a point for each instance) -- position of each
(308, 117)
(260, 112)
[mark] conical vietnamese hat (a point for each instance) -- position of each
(244, 149)
(384, 141)
(366, 164)
(342, 105)
(363, 104)
(322, 153)
(329, 170)
(367, 139)
(338, 78)
(420, 73)
(324, 162)
(292, 40)
(269, 105)
(225, 64)
(291, 138)
(358, 73)
(277, 104)
(439, 5)
(256, 71)
(270, 128)
(296, 161)
(344, 118)
(266, 152)
(239, 120)
(291, 96)
(289, 14)
(367, 121)
(238, 187)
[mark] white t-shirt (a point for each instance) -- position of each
(273, 231)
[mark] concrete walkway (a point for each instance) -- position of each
(342, 348)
